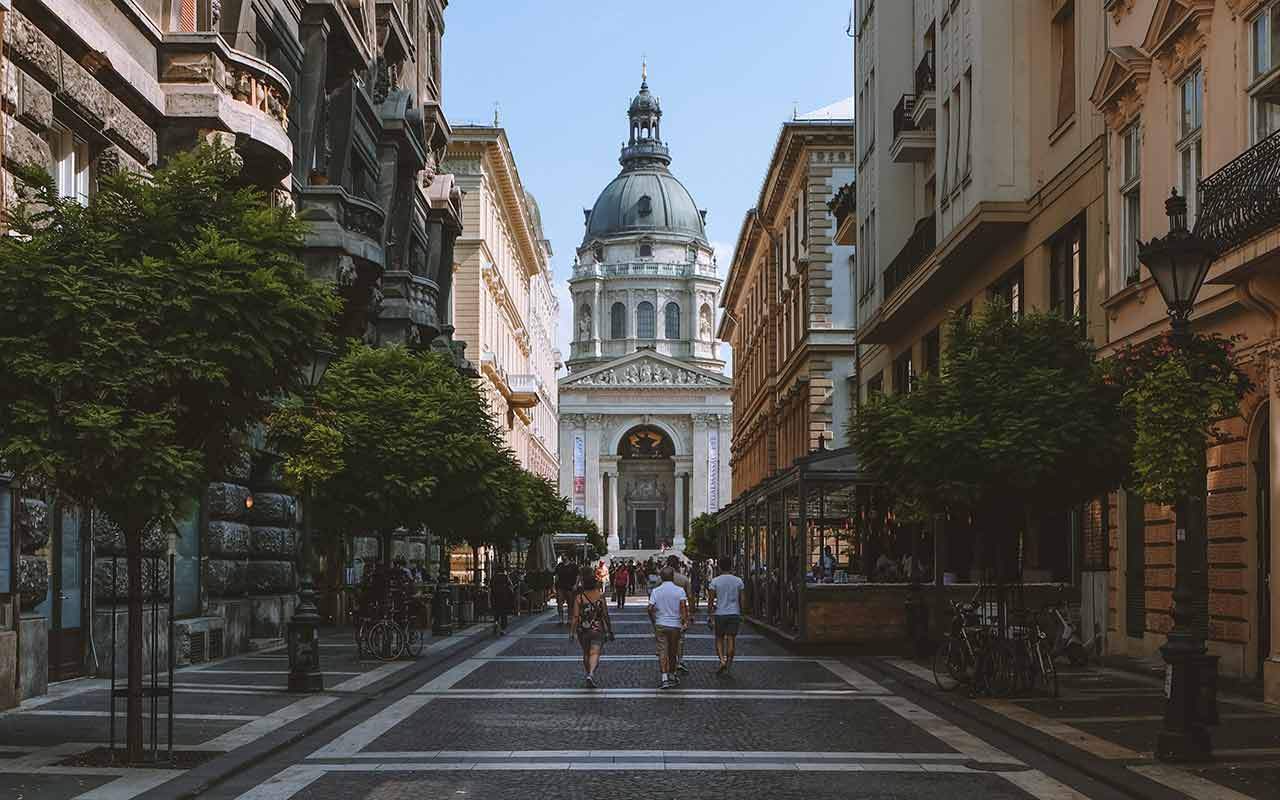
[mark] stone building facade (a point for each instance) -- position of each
(982, 180)
(503, 301)
(644, 411)
(335, 109)
(1187, 91)
(788, 304)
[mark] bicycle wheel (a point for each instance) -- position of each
(1049, 670)
(414, 639)
(386, 640)
(944, 667)
(1003, 669)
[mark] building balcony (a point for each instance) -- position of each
(1242, 199)
(212, 85)
(844, 207)
(926, 104)
(341, 221)
(910, 144)
(523, 391)
(914, 253)
(642, 269)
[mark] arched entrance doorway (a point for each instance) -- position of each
(646, 474)
(1262, 470)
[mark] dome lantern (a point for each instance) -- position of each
(645, 146)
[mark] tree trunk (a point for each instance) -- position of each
(133, 711)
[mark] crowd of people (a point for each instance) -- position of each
(673, 589)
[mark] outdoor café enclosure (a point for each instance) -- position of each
(825, 559)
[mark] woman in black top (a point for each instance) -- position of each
(590, 624)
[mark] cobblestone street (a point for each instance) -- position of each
(513, 719)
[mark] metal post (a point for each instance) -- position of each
(1184, 736)
(115, 582)
(304, 628)
(172, 605)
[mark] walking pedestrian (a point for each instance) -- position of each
(724, 605)
(652, 578)
(590, 624)
(681, 580)
(669, 613)
(503, 598)
(621, 580)
(566, 579)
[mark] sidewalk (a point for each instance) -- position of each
(1105, 724)
(229, 714)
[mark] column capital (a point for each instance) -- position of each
(593, 420)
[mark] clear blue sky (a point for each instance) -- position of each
(728, 73)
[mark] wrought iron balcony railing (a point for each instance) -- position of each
(918, 247)
(1242, 199)
(925, 77)
(902, 121)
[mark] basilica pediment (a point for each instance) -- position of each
(644, 371)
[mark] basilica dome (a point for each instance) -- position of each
(645, 197)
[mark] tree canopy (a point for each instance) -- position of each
(142, 336)
(1021, 409)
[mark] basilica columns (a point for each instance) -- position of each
(595, 487)
(680, 526)
(615, 503)
(698, 493)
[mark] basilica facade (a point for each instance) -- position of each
(645, 408)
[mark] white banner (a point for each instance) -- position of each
(579, 473)
(713, 470)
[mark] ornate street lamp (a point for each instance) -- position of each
(304, 627)
(1179, 263)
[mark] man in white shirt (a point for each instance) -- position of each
(669, 613)
(682, 580)
(724, 603)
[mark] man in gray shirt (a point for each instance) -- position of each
(724, 603)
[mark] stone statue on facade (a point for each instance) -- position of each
(584, 324)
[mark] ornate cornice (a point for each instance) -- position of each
(1119, 9)
(1121, 87)
(1178, 34)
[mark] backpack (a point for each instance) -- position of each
(589, 619)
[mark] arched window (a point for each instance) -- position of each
(645, 321)
(673, 321)
(618, 321)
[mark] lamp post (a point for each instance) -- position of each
(304, 627)
(1179, 263)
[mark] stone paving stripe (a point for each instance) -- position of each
(960, 740)
(134, 783)
(60, 691)
(652, 657)
(1238, 752)
(350, 743)
(284, 784)
(1041, 786)
(673, 694)
(265, 672)
(629, 636)
(243, 687)
(1191, 785)
(79, 713)
(1148, 718)
(1094, 745)
(666, 756)
(851, 676)
(268, 724)
(911, 668)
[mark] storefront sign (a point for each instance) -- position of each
(713, 470)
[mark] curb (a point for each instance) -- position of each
(1119, 779)
(198, 780)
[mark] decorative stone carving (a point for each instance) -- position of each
(270, 508)
(226, 500)
(32, 522)
(223, 577)
(155, 579)
(109, 538)
(704, 323)
(646, 489)
(584, 323)
(644, 374)
(1120, 9)
(225, 538)
(272, 541)
(33, 580)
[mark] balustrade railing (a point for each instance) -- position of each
(1242, 199)
(902, 121)
(914, 253)
(678, 270)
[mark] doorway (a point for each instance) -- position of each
(646, 528)
(1262, 468)
(64, 603)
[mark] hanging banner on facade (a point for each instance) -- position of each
(713, 470)
(579, 473)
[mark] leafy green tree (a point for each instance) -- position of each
(702, 542)
(1024, 414)
(141, 336)
(395, 439)
(573, 522)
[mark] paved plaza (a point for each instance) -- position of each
(510, 717)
